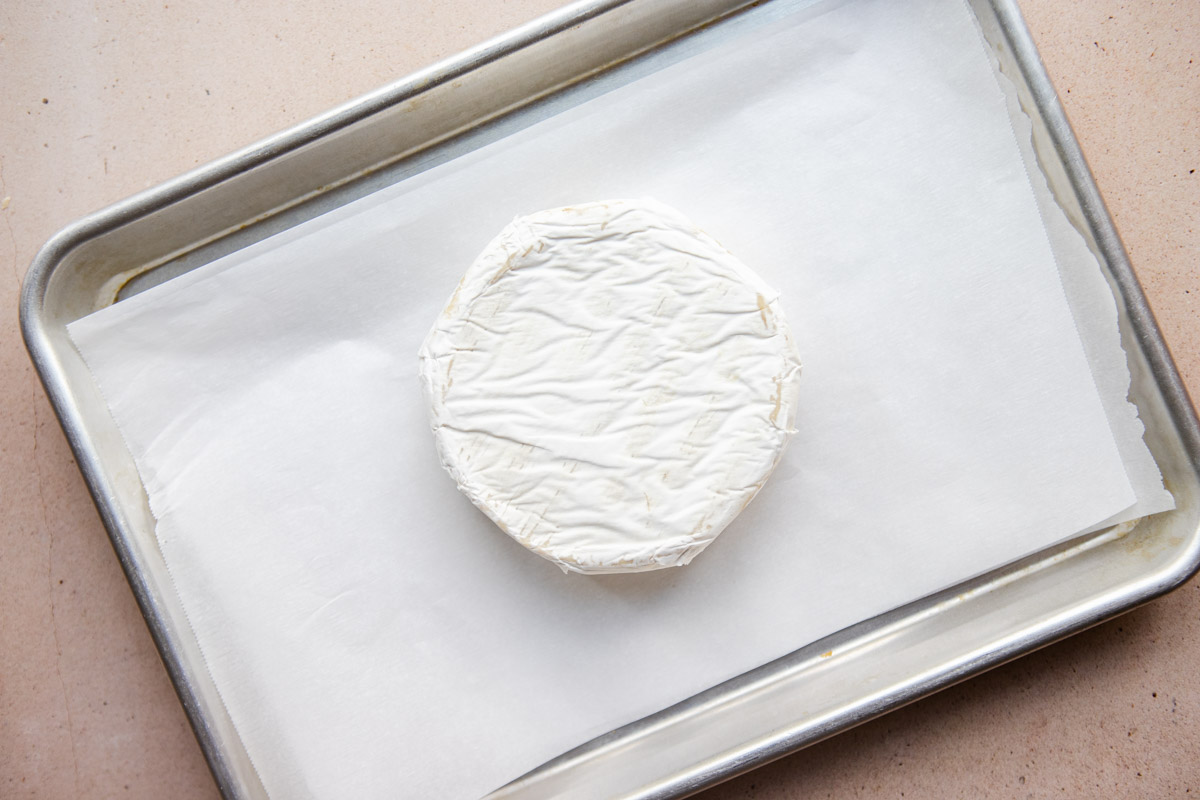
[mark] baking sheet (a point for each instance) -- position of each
(353, 607)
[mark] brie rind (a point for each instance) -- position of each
(610, 385)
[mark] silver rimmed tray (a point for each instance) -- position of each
(474, 98)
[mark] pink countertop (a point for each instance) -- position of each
(104, 99)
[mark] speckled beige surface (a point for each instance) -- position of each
(106, 98)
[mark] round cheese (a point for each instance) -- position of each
(610, 385)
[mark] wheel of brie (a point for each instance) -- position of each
(610, 385)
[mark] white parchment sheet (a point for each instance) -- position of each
(374, 636)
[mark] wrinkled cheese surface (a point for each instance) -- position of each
(610, 385)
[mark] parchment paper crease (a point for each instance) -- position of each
(374, 636)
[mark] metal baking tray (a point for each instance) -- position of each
(476, 97)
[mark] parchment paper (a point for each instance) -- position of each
(373, 635)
